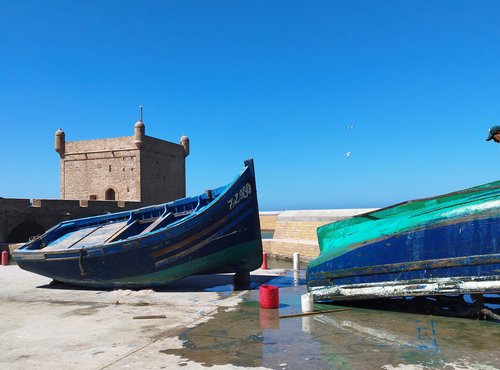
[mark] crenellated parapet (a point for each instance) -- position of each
(131, 168)
(54, 204)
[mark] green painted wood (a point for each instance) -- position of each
(339, 237)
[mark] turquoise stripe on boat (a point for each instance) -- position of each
(340, 237)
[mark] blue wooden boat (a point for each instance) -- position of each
(215, 232)
(443, 245)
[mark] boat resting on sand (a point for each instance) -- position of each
(443, 245)
(215, 232)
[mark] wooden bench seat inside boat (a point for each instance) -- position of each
(85, 237)
(159, 222)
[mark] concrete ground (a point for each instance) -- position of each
(203, 322)
(50, 327)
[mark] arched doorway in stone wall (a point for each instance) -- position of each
(110, 194)
(22, 232)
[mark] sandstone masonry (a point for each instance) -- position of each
(295, 231)
(134, 168)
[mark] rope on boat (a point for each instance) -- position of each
(80, 263)
(487, 314)
(484, 313)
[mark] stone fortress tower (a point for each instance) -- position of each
(134, 168)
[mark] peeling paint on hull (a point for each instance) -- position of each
(430, 287)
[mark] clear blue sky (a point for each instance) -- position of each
(279, 81)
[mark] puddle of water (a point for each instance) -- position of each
(222, 341)
(251, 336)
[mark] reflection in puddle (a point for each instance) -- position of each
(464, 306)
(247, 337)
(229, 338)
(359, 338)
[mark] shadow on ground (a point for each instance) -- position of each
(219, 283)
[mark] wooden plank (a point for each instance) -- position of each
(149, 317)
(120, 232)
(86, 236)
(100, 235)
(158, 221)
(147, 220)
(69, 239)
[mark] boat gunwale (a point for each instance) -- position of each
(372, 213)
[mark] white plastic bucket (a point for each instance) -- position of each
(307, 302)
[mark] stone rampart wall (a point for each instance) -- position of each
(45, 213)
(295, 231)
(113, 144)
(268, 220)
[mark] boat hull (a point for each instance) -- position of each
(223, 238)
(438, 255)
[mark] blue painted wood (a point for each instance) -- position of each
(202, 234)
(463, 248)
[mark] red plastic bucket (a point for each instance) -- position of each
(269, 296)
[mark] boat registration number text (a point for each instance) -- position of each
(243, 194)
